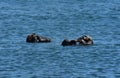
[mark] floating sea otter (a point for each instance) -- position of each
(34, 38)
(84, 40)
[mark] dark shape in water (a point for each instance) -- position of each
(68, 43)
(34, 38)
(84, 40)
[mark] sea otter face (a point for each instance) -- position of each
(32, 38)
(85, 40)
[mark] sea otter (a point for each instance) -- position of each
(34, 38)
(83, 40)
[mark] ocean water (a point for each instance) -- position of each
(59, 20)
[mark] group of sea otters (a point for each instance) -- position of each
(83, 40)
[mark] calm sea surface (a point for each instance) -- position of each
(58, 20)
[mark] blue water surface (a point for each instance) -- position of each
(58, 20)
